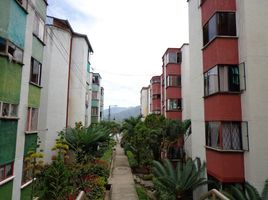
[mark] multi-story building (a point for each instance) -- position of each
(144, 101)
(171, 84)
(101, 103)
(21, 60)
(67, 65)
(227, 71)
(155, 95)
(96, 98)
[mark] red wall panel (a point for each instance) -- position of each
(173, 92)
(220, 51)
(227, 167)
(209, 7)
(176, 115)
(223, 107)
(173, 69)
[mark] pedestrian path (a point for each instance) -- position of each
(123, 186)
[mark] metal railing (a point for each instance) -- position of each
(214, 195)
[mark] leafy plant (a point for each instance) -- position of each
(180, 182)
(142, 193)
(131, 159)
(248, 192)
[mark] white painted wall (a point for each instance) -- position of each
(144, 102)
(23, 107)
(185, 82)
(196, 86)
(253, 50)
(53, 103)
(78, 76)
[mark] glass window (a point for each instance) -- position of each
(211, 81)
(222, 23)
(174, 81)
(94, 111)
(39, 27)
(94, 95)
(174, 104)
(172, 57)
(6, 171)
(32, 119)
(36, 68)
(224, 135)
(5, 110)
(2, 173)
(14, 110)
(9, 170)
(179, 57)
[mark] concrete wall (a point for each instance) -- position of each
(144, 102)
(52, 114)
(23, 106)
(253, 50)
(197, 86)
(185, 83)
(78, 76)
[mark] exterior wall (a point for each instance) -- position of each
(155, 88)
(52, 114)
(253, 50)
(96, 102)
(196, 86)
(185, 83)
(78, 75)
(144, 101)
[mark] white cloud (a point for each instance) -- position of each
(129, 37)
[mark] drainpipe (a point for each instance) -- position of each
(69, 76)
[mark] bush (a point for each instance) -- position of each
(147, 177)
(96, 189)
(142, 193)
(131, 159)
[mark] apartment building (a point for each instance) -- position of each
(155, 95)
(97, 92)
(21, 59)
(67, 65)
(228, 67)
(144, 101)
(171, 100)
(101, 103)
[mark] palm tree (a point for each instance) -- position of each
(84, 141)
(180, 182)
(249, 192)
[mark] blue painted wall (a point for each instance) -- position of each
(17, 24)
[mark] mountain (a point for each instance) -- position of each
(121, 113)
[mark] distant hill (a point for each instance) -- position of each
(121, 113)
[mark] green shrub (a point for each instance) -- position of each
(131, 159)
(142, 193)
(147, 177)
(96, 188)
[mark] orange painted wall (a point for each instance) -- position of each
(173, 69)
(227, 167)
(223, 107)
(173, 92)
(176, 115)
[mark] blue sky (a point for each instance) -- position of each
(129, 38)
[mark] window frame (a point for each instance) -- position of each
(173, 76)
(244, 144)
(39, 27)
(174, 109)
(33, 61)
(29, 123)
(219, 81)
(5, 175)
(9, 110)
(206, 33)
(16, 55)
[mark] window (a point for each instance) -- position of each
(172, 57)
(220, 24)
(8, 110)
(156, 96)
(39, 27)
(6, 171)
(222, 78)
(174, 104)
(36, 70)
(8, 48)
(155, 80)
(179, 57)
(174, 81)
(94, 111)
(95, 80)
(32, 119)
(227, 135)
(94, 95)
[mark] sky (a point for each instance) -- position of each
(129, 38)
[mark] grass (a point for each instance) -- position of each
(142, 193)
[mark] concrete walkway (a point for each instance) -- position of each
(123, 186)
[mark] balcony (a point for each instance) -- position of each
(226, 166)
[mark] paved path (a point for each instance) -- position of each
(123, 186)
